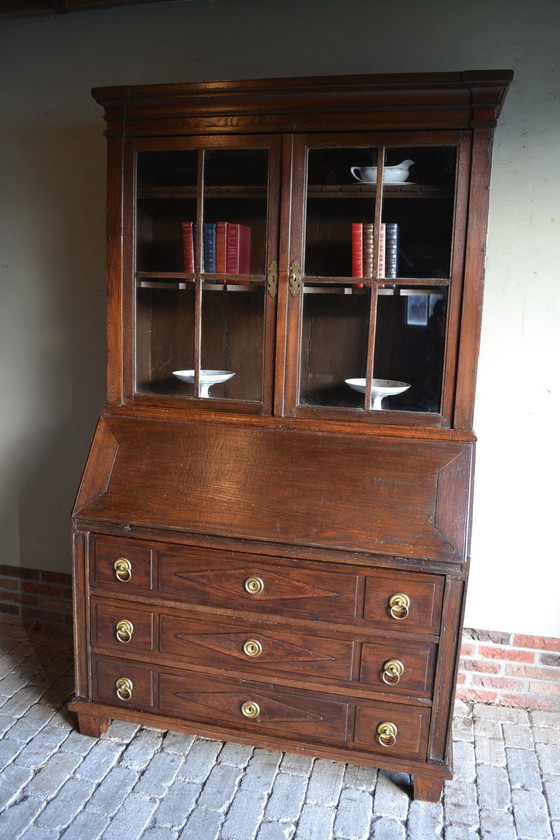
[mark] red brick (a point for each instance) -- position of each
(545, 688)
(480, 665)
(502, 683)
(531, 672)
(476, 694)
(461, 678)
(468, 649)
(507, 654)
(56, 604)
(17, 572)
(9, 583)
(57, 577)
(529, 701)
(9, 609)
(40, 589)
(19, 598)
(536, 642)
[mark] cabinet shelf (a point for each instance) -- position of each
(178, 280)
(315, 191)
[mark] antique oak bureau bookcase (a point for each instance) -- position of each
(271, 536)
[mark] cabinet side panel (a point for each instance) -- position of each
(348, 492)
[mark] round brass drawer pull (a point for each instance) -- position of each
(254, 585)
(387, 734)
(124, 630)
(123, 569)
(399, 605)
(393, 670)
(124, 688)
(250, 709)
(252, 648)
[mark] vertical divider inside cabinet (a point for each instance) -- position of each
(156, 610)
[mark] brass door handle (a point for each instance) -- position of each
(123, 569)
(294, 278)
(399, 606)
(252, 648)
(254, 585)
(124, 630)
(124, 688)
(250, 709)
(387, 734)
(392, 671)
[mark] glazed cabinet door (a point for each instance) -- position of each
(202, 257)
(375, 276)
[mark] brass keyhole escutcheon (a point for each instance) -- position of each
(123, 569)
(252, 648)
(124, 688)
(250, 709)
(393, 670)
(399, 606)
(124, 630)
(254, 585)
(387, 734)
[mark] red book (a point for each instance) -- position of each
(188, 246)
(238, 256)
(357, 250)
(221, 247)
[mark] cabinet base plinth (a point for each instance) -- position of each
(427, 788)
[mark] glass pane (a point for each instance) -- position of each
(409, 347)
(334, 345)
(164, 336)
(235, 202)
(418, 201)
(337, 199)
(166, 197)
(233, 341)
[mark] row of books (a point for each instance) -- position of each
(362, 250)
(226, 247)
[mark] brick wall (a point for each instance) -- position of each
(506, 668)
(33, 596)
(510, 669)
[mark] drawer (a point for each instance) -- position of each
(257, 647)
(124, 565)
(404, 601)
(254, 707)
(122, 683)
(400, 731)
(121, 626)
(249, 583)
(399, 667)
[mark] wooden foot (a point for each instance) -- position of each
(93, 726)
(427, 788)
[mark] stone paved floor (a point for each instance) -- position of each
(143, 783)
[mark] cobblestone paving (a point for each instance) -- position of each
(138, 783)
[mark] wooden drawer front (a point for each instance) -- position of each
(399, 667)
(122, 627)
(256, 646)
(276, 711)
(133, 572)
(411, 730)
(249, 584)
(424, 594)
(137, 693)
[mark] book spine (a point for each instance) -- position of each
(357, 250)
(381, 252)
(367, 244)
(392, 250)
(188, 246)
(221, 247)
(209, 243)
(238, 255)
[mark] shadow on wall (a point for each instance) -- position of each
(57, 347)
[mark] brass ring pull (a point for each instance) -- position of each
(250, 709)
(124, 688)
(387, 734)
(252, 648)
(123, 569)
(124, 630)
(254, 585)
(392, 671)
(399, 606)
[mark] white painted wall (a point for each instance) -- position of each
(52, 164)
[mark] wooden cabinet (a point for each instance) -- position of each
(271, 536)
